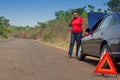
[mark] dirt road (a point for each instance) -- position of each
(28, 60)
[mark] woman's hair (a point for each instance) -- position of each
(75, 12)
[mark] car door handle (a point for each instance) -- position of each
(101, 33)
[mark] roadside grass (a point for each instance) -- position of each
(3, 38)
(59, 45)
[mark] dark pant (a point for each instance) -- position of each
(75, 37)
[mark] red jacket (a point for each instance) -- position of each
(77, 25)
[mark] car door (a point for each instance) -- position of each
(92, 43)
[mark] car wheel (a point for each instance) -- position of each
(105, 48)
(81, 55)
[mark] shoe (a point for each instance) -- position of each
(69, 56)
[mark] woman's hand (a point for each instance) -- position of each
(70, 25)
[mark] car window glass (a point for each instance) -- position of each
(96, 25)
(113, 21)
(106, 22)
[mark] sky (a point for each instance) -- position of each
(29, 12)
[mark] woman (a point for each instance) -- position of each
(76, 32)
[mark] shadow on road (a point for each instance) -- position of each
(118, 67)
(94, 62)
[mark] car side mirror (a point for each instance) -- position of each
(88, 30)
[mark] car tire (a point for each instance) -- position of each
(104, 49)
(81, 55)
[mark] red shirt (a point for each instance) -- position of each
(77, 25)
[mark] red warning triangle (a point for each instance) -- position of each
(99, 68)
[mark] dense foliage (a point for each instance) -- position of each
(114, 5)
(4, 27)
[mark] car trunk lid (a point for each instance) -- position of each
(93, 18)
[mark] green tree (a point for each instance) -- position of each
(99, 10)
(91, 8)
(4, 23)
(105, 11)
(60, 14)
(41, 24)
(114, 5)
(28, 28)
(66, 15)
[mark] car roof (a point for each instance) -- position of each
(118, 13)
